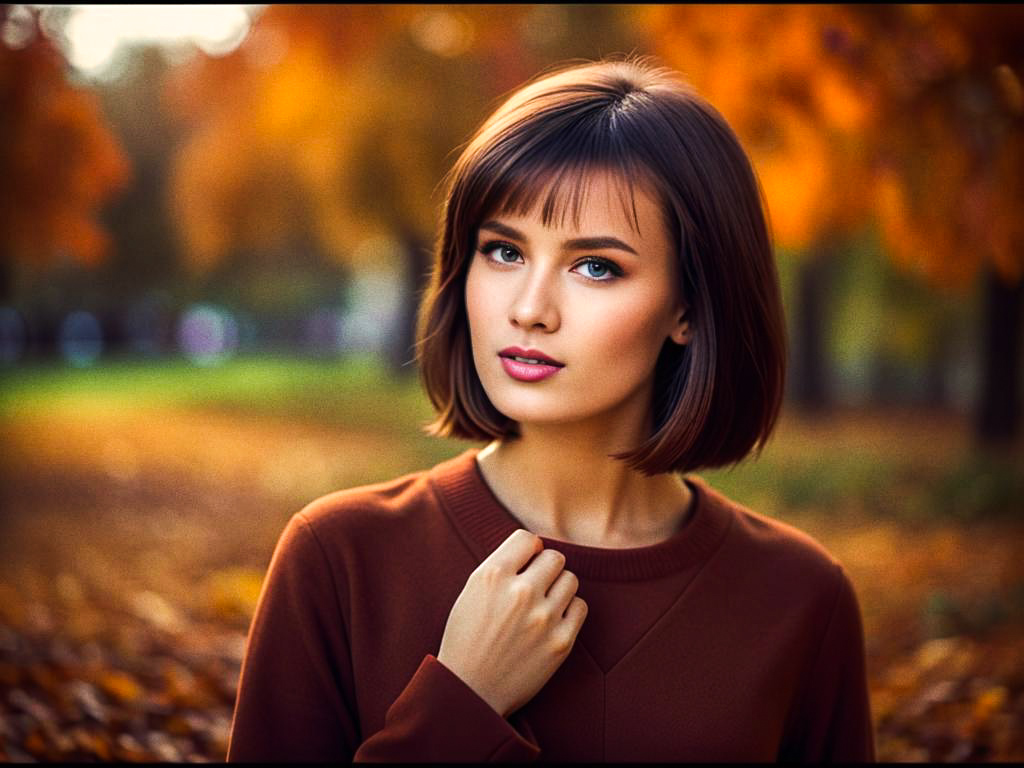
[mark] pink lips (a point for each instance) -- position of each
(521, 371)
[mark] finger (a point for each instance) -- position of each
(515, 551)
(544, 570)
(576, 613)
(562, 591)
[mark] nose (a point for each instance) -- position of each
(535, 305)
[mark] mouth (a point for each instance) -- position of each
(529, 357)
(528, 365)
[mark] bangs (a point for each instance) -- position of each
(557, 173)
(564, 192)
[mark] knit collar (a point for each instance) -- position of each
(486, 523)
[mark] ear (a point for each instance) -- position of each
(680, 333)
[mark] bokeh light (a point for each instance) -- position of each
(373, 296)
(94, 33)
(19, 29)
(445, 33)
(12, 335)
(324, 331)
(207, 334)
(81, 339)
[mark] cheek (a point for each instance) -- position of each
(474, 293)
(478, 308)
(628, 328)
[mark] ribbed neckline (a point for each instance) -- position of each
(486, 523)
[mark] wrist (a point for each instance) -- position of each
(493, 701)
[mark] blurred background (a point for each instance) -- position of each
(214, 224)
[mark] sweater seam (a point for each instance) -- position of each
(808, 675)
(452, 518)
(586, 650)
(500, 747)
(307, 523)
(604, 718)
(334, 583)
(678, 598)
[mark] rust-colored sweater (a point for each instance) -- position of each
(739, 638)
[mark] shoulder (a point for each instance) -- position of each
(366, 529)
(350, 535)
(376, 510)
(774, 553)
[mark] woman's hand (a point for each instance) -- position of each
(508, 632)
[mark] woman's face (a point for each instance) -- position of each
(600, 300)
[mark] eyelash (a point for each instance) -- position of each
(614, 269)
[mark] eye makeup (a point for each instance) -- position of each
(613, 269)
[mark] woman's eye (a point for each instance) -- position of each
(597, 269)
(502, 252)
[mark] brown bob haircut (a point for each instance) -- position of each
(715, 397)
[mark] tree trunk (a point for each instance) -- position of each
(936, 394)
(6, 278)
(810, 391)
(885, 379)
(998, 415)
(402, 354)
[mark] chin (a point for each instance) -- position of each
(540, 408)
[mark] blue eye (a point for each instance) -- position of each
(506, 253)
(600, 269)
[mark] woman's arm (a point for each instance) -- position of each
(832, 718)
(296, 696)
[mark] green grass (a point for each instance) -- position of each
(358, 393)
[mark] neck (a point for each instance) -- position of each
(560, 483)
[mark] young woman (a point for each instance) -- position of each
(604, 313)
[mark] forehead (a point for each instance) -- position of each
(585, 201)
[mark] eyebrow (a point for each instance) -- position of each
(576, 244)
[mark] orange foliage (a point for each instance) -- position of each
(951, 185)
(267, 137)
(58, 159)
(318, 124)
(911, 114)
(770, 72)
(275, 125)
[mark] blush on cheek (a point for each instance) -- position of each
(478, 314)
(627, 329)
(471, 294)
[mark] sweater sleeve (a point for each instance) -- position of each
(296, 699)
(832, 719)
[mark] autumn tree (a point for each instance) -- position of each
(59, 161)
(146, 255)
(950, 167)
